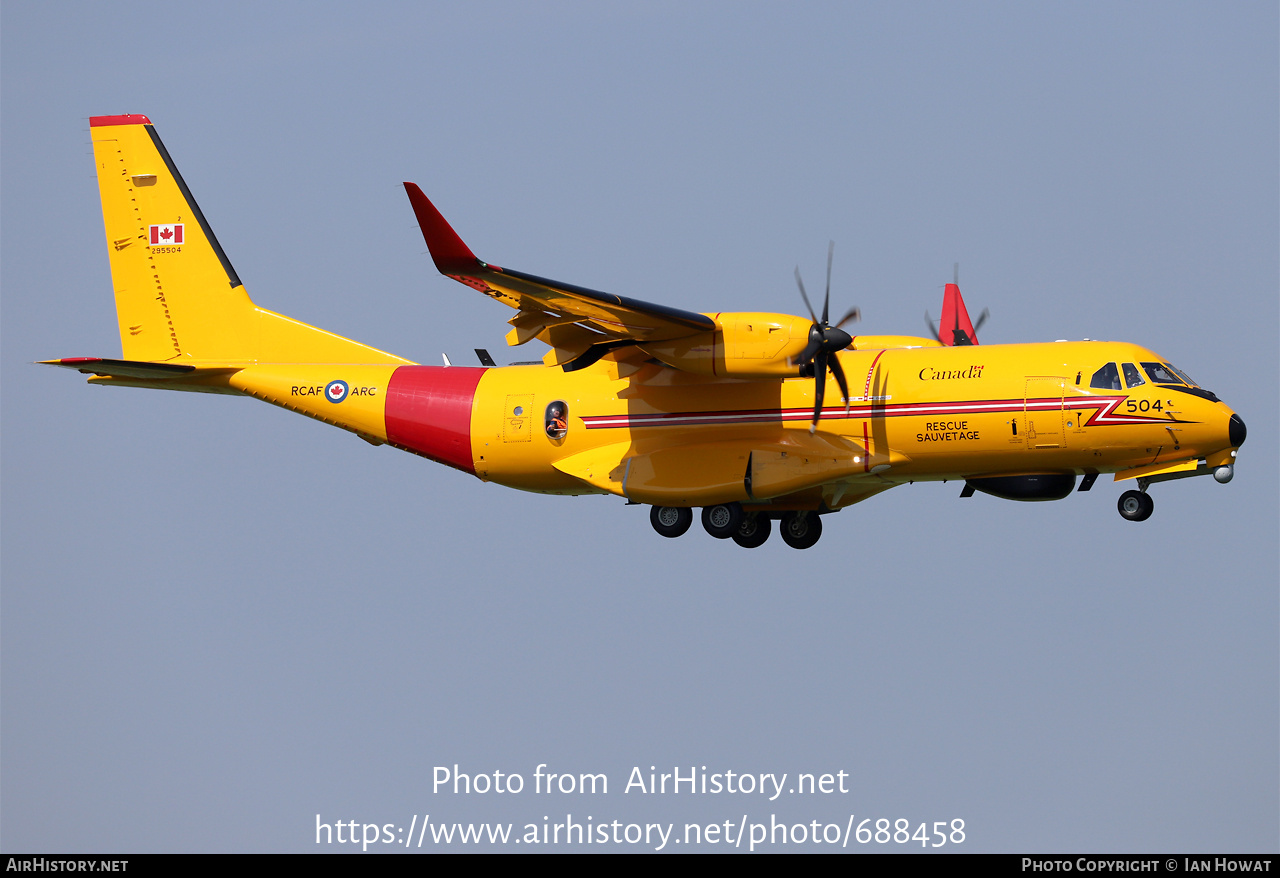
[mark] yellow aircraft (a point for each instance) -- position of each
(730, 412)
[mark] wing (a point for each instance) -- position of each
(580, 324)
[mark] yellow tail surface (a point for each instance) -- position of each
(178, 300)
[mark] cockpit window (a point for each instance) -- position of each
(1132, 376)
(1160, 373)
(1106, 378)
(1183, 375)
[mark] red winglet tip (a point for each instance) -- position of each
(127, 119)
(448, 251)
(954, 314)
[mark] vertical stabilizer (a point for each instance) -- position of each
(177, 295)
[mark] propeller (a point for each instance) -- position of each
(819, 355)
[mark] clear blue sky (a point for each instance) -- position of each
(219, 619)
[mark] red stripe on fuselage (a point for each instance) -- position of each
(429, 412)
(1101, 410)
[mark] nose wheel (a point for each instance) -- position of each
(1135, 506)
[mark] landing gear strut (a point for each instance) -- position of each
(1136, 505)
(671, 521)
(800, 530)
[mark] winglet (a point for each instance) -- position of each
(449, 253)
(955, 327)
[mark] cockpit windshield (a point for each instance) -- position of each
(1161, 373)
(1164, 375)
(1183, 375)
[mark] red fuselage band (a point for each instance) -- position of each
(429, 412)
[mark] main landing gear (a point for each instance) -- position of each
(753, 531)
(671, 521)
(722, 521)
(1136, 505)
(800, 529)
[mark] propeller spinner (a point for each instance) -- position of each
(818, 356)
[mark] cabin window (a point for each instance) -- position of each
(1160, 373)
(1132, 376)
(557, 419)
(1106, 378)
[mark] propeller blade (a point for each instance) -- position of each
(805, 295)
(820, 387)
(932, 328)
(982, 318)
(853, 316)
(826, 301)
(838, 371)
(812, 348)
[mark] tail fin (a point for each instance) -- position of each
(177, 296)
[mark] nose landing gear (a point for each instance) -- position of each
(1136, 505)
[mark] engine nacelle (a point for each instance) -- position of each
(757, 345)
(744, 345)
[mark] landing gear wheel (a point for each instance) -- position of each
(1136, 506)
(671, 521)
(800, 530)
(753, 531)
(722, 521)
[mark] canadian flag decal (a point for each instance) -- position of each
(162, 235)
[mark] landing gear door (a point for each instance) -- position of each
(1042, 415)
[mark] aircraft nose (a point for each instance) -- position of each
(1236, 431)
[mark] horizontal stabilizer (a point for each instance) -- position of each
(137, 368)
